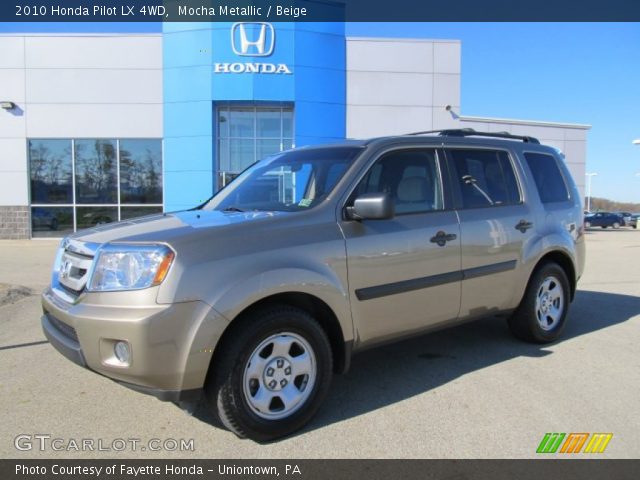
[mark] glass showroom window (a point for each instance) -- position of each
(77, 184)
(250, 133)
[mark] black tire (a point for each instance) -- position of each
(604, 226)
(525, 323)
(227, 393)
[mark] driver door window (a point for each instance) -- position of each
(411, 177)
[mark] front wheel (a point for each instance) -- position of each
(616, 225)
(272, 375)
(587, 224)
(541, 316)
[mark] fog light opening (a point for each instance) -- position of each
(122, 352)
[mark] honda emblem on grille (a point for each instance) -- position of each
(65, 269)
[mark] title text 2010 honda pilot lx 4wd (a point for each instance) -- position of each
(255, 298)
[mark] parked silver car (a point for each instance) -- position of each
(254, 299)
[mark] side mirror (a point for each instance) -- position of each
(372, 206)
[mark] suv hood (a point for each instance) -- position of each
(167, 226)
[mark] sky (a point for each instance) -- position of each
(586, 73)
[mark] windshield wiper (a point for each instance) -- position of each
(232, 209)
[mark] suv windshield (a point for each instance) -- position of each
(289, 181)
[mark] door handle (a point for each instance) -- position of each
(523, 226)
(441, 238)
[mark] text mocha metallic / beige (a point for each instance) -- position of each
(252, 300)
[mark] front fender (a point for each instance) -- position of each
(236, 297)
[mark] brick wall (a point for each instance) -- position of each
(14, 222)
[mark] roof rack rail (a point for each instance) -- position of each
(470, 132)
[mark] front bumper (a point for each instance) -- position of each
(62, 342)
(72, 351)
(171, 345)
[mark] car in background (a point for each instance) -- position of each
(43, 218)
(604, 220)
(626, 217)
(96, 217)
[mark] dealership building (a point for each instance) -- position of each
(97, 128)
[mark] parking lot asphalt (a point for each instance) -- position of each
(468, 392)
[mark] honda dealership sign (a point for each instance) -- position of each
(252, 39)
(260, 46)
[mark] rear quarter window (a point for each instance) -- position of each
(485, 177)
(547, 176)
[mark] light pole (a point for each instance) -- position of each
(589, 176)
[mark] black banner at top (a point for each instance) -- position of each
(317, 10)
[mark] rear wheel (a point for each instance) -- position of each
(541, 316)
(272, 374)
(587, 224)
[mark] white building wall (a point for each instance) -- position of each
(13, 155)
(397, 86)
(80, 86)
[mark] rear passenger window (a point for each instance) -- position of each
(548, 177)
(410, 177)
(486, 178)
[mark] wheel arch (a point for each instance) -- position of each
(565, 262)
(318, 308)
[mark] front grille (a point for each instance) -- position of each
(66, 330)
(70, 290)
(75, 264)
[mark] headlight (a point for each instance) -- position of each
(130, 267)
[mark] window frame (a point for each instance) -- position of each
(567, 185)
(254, 107)
(456, 187)
(74, 205)
(441, 169)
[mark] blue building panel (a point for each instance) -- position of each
(321, 85)
(320, 49)
(187, 119)
(188, 154)
(186, 189)
(321, 120)
(210, 64)
(187, 84)
(186, 48)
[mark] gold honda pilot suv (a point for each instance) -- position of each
(254, 299)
